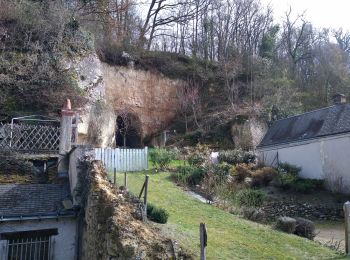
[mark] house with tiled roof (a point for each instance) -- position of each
(38, 213)
(317, 141)
(37, 221)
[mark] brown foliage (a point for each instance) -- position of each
(241, 171)
(263, 176)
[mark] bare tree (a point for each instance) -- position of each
(230, 70)
(113, 15)
(184, 104)
(343, 39)
(297, 39)
(189, 101)
(163, 13)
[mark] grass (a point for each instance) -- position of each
(229, 237)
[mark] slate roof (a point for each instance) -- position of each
(32, 199)
(318, 123)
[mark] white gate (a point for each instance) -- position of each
(123, 159)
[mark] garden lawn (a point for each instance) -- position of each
(229, 236)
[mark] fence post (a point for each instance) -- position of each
(203, 240)
(115, 176)
(347, 226)
(145, 196)
(65, 138)
(125, 180)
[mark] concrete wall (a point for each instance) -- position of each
(63, 245)
(325, 158)
(74, 167)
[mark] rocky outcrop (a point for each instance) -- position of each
(113, 227)
(88, 72)
(247, 133)
(101, 125)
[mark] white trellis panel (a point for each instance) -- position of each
(123, 160)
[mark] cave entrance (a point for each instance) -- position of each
(128, 133)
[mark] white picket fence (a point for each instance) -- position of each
(123, 160)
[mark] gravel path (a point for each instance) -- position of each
(331, 233)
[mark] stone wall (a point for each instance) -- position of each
(113, 228)
(277, 209)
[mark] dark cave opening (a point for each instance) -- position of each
(128, 132)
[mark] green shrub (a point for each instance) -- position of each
(161, 158)
(307, 185)
(157, 214)
(288, 174)
(189, 175)
(250, 198)
(236, 156)
(196, 159)
(199, 156)
(224, 167)
(220, 171)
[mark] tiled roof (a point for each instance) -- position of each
(319, 123)
(32, 199)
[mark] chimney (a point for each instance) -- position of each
(339, 99)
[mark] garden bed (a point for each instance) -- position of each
(318, 205)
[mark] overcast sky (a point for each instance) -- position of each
(322, 13)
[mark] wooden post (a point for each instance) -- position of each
(115, 176)
(145, 195)
(65, 139)
(347, 226)
(125, 180)
(203, 240)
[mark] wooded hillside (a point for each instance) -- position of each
(233, 54)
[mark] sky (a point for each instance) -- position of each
(321, 13)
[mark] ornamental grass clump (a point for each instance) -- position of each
(250, 198)
(305, 228)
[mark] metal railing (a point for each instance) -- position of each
(30, 135)
(37, 247)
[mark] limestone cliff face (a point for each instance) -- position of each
(150, 96)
